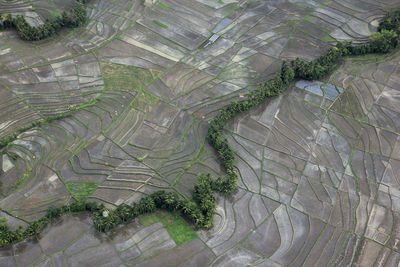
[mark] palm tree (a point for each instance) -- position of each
(124, 212)
(171, 200)
(146, 205)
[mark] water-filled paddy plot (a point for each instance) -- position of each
(318, 165)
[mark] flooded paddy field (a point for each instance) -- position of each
(319, 165)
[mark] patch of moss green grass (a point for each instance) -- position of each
(163, 6)
(180, 231)
(129, 6)
(23, 180)
(327, 38)
(125, 78)
(81, 191)
(160, 24)
(129, 79)
(347, 103)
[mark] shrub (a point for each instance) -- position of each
(205, 199)
(383, 41)
(75, 18)
(390, 22)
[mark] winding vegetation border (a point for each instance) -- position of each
(76, 17)
(72, 19)
(200, 208)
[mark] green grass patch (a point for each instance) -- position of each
(129, 78)
(180, 231)
(144, 98)
(129, 6)
(149, 218)
(163, 6)
(81, 191)
(126, 78)
(55, 14)
(348, 104)
(327, 38)
(160, 24)
(307, 19)
(22, 180)
(221, 2)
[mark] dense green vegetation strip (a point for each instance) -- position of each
(74, 18)
(200, 208)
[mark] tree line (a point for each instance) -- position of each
(383, 41)
(200, 208)
(74, 18)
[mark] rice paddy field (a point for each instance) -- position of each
(319, 165)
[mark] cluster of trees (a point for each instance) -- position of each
(6, 21)
(75, 18)
(8, 236)
(219, 141)
(390, 22)
(318, 68)
(204, 198)
(383, 41)
(199, 210)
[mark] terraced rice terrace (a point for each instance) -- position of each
(35, 11)
(319, 165)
